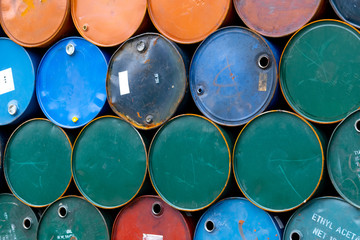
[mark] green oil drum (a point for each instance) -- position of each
(109, 162)
(189, 162)
(17, 220)
(319, 71)
(37, 162)
(328, 218)
(278, 161)
(343, 158)
(73, 218)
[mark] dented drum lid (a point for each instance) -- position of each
(17, 221)
(189, 162)
(108, 23)
(233, 75)
(277, 18)
(188, 21)
(324, 218)
(146, 80)
(70, 84)
(237, 218)
(278, 161)
(109, 162)
(37, 162)
(73, 218)
(35, 23)
(17, 82)
(343, 158)
(348, 11)
(150, 218)
(319, 73)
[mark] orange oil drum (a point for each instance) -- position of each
(108, 23)
(277, 18)
(35, 23)
(188, 21)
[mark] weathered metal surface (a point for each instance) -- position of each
(319, 76)
(150, 218)
(189, 162)
(35, 23)
(326, 218)
(278, 161)
(17, 221)
(277, 18)
(238, 219)
(108, 23)
(70, 85)
(188, 21)
(233, 75)
(146, 80)
(348, 11)
(17, 82)
(37, 162)
(343, 158)
(109, 162)
(73, 218)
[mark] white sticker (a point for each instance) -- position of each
(152, 237)
(124, 83)
(6, 81)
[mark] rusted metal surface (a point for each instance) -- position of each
(277, 18)
(35, 23)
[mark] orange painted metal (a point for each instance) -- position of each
(277, 18)
(108, 23)
(150, 218)
(35, 23)
(188, 21)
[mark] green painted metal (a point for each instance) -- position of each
(17, 221)
(189, 162)
(319, 71)
(343, 158)
(326, 218)
(278, 161)
(73, 218)
(109, 162)
(37, 162)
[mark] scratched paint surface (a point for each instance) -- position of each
(343, 159)
(189, 162)
(37, 162)
(238, 219)
(348, 10)
(109, 162)
(319, 71)
(12, 214)
(278, 161)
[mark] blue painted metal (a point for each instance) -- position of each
(17, 82)
(348, 11)
(237, 219)
(233, 75)
(70, 85)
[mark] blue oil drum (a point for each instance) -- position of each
(70, 85)
(17, 82)
(233, 75)
(348, 11)
(237, 219)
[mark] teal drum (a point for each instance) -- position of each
(189, 162)
(37, 162)
(278, 161)
(17, 221)
(73, 218)
(109, 162)
(327, 218)
(319, 73)
(343, 158)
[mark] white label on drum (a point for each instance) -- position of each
(124, 83)
(6, 81)
(152, 237)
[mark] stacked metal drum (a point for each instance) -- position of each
(180, 120)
